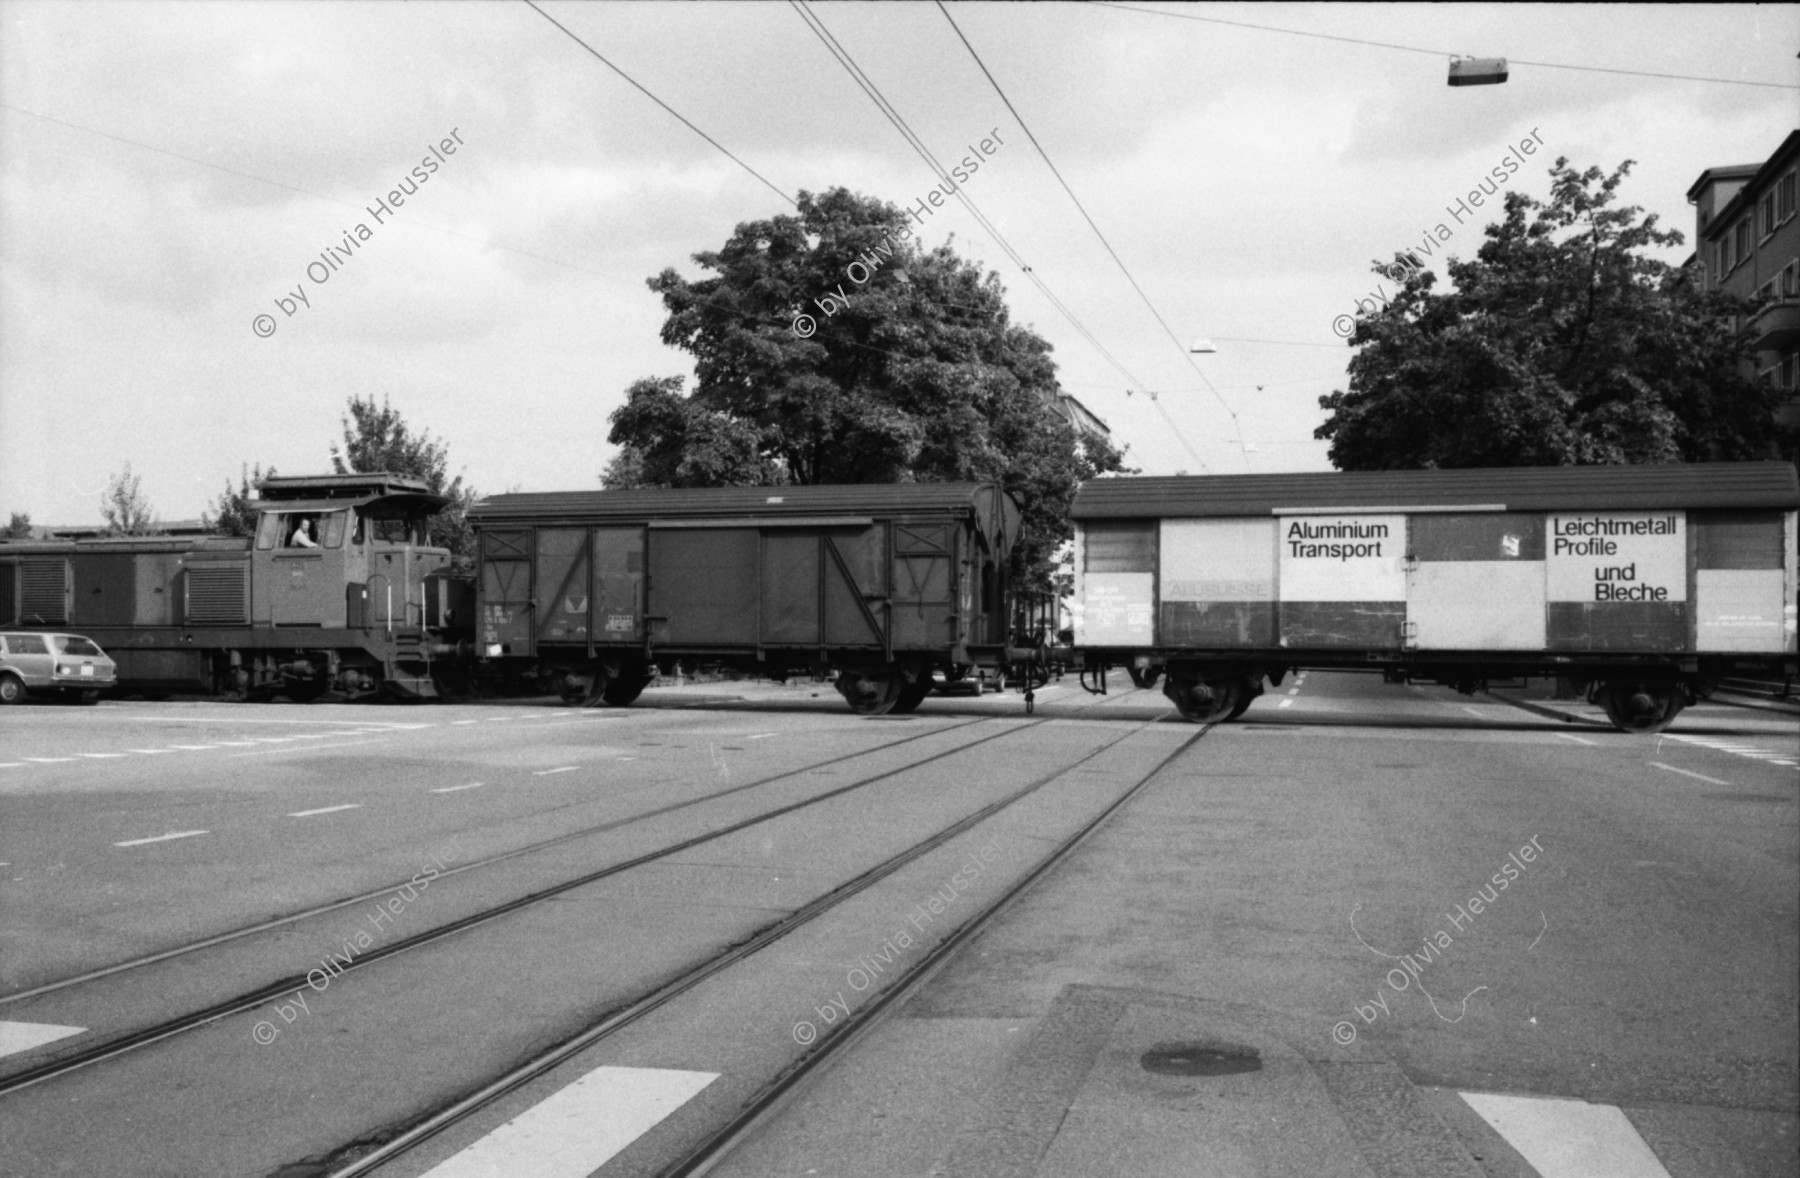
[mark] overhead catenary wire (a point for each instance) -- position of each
(1236, 427)
(1547, 65)
(918, 145)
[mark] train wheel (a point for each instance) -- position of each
(869, 695)
(11, 690)
(622, 692)
(584, 691)
(1205, 703)
(912, 695)
(1634, 707)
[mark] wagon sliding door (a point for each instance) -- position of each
(825, 587)
(564, 582)
(506, 592)
(703, 585)
(1476, 581)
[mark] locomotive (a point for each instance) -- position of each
(336, 593)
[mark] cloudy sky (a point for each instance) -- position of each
(168, 171)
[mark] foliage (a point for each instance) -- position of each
(125, 509)
(19, 528)
(233, 513)
(913, 374)
(377, 438)
(1562, 344)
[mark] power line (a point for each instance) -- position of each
(1548, 65)
(1236, 428)
(653, 98)
(918, 145)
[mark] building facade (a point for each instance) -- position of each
(1747, 243)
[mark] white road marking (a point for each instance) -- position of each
(17, 1037)
(450, 789)
(49, 760)
(286, 739)
(1569, 1138)
(1686, 773)
(1285, 703)
(194, 748)
(237, 744)
(12, 764)
(580, 1128)
(100, 756)
(1293, 691)
(348, 744)
(563, 769)
(500, 719)
(326, 810)
(162, 838)
(465, 721)
(1576, 739)
(148, 752)
(1473, 712)
(533, 716)
(766, 735)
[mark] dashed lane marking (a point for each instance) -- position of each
(326, 810)
(580, 1128)
(465, 721)
(1569, 1138)
(1472, 711)
(766, 735)
(50, 760)
(17, 1037)
(561, 769)
(1688, 773)
(100, 756)
(12, 764)
(450, 789)
(1576, 739)
(194, 748)
(162, 838)
(349, 744)
(149, 752)
(1285, 703)
(1293, 691)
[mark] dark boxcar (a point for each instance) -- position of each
(336, 592)
(592, 590)
(1646, 584)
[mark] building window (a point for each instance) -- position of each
(1790, 372)
(1766, 292)
(1790, 280)
(1785, 191)
(1741, 243)
(1766, 207)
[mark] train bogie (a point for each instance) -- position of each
(1646, 585)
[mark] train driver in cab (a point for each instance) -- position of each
(303, 534)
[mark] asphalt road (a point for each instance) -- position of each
(1261, 887)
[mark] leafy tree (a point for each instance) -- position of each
(233, 513)
(1562, 344)
(377, 438)
(19, 528)
(125, 509)
(907, 368)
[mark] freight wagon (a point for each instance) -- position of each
(1645, 585)
(590, 592)
(337, 592)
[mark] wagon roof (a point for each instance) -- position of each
(993, 509)
(1529, 488)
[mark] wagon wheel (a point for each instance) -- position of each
(912, 695)
(621, 692)
(584, 690)
(1152, 675)
(1137, 676)
(869, 695)
(1639, 708)
(1205, 703)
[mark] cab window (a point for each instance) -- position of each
(396, 531)
(331, 533)
(268, 529)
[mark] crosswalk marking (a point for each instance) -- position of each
(17, 1037)
(1569, 1138)
(579, 1129)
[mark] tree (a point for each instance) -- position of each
(1562, 344)
(830, 347)
(234, 513)
(377, 438)
(19, 528)
(125, 509)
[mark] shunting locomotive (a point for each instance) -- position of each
(335, 594)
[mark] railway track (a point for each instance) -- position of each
(117, 1046)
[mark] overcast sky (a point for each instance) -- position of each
(1247, 178)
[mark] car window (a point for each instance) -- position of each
(26, 644)
(75, 644)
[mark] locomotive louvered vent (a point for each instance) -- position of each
(9, 594)
(43, 596)
(216, 593)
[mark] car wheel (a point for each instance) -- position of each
(11, 690)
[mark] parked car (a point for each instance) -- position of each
(66, 665)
